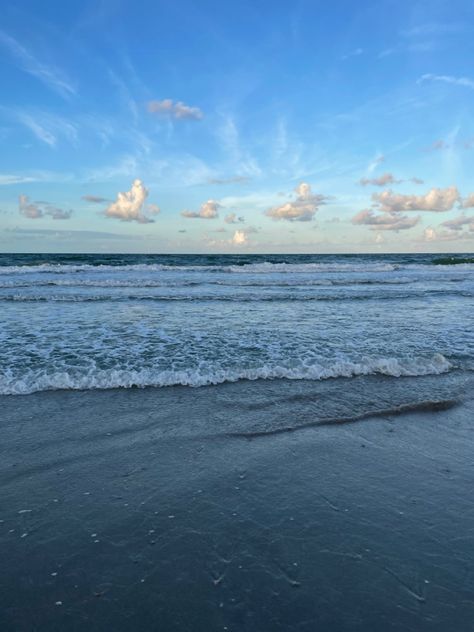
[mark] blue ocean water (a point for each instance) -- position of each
(107, 321)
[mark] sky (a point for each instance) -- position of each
(267, 126)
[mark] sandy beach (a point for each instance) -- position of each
(139, 510)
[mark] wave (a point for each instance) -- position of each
(227, 298)
(254, 268)
(425, 406)
(146, 283)
(40, 380)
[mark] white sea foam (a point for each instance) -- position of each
(31, 381)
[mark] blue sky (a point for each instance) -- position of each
(303, 126)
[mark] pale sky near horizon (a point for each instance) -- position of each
(250, 126)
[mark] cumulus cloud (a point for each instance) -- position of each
(468, 202)
(232, 218)
(37, 210)
(175, 109)
(438, 200)
(385, 221)
(302, 209)
(379, 181)
(129, 206)
(208, 210)
(457, 81)
(95, 199)
(239, 238)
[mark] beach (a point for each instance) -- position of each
(236, 442)
(237, 507)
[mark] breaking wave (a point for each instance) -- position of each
(32, 381)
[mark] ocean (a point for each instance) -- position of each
(121, 321)
(237, 442)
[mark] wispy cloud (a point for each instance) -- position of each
(52, 77)
(229, 180)
(95, 199)
(353, 53)
(380, 181)
(6, 179)
(457, 81)
(175, 109)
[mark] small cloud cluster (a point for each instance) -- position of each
(302, 209)
(208, 210)
(37, 210)
(129, 206)
(458, 223)
(232, 218)
(389, 208)
(386, 221)
(436, 199)
(175, 110)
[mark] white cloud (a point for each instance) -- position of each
(37, 210)
(429, 234)
(385, 221)
(239, 238)
(175, 109)
(50, 76)
(208, 210)
(380, 181)
(468, 202)
(457, 81)
(438, 200)
(128, 207)
(301, 209)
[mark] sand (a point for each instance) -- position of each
(144, 510)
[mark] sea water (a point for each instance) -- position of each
(110, 321)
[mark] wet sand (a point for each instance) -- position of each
(181, 509)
